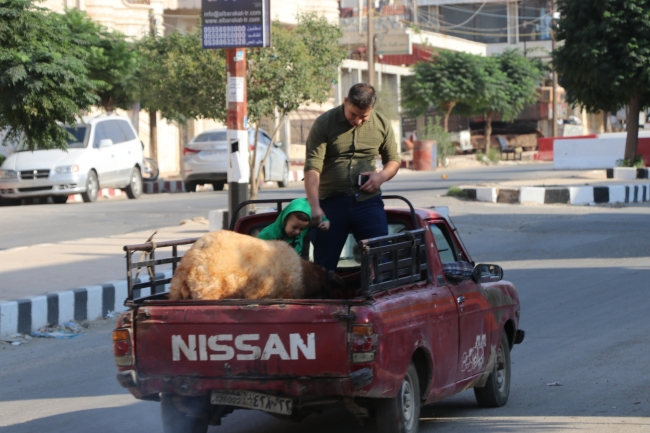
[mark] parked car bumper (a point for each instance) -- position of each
(204, 177)
(56, 184)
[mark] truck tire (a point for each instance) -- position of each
(190, 186)
(218, 186)
(175, 421)
(497, 388)
(401, 414)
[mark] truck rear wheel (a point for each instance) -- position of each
(497, 388)
(401, 414)
(176, 421)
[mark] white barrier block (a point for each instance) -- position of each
(215, 219)
(94, 305)
(625, 173)
(581, 194)
(8, 318)
(617, 194)
(121, 292)
(587, 153)
(39, 312)
(532, 194)
(66, 306)
(486, 194)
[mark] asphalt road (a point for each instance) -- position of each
(583, 275)
(48, 223)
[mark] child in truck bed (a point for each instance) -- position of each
(291, 225)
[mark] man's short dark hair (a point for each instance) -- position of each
(362, 96)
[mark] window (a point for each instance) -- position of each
(126, 129)
(114, 131)
(263, 139)
(212, 136)
(446, 247)
(100, 134)
(535, 20)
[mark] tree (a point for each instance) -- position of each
(111, 60)
(605, 59)
(507, 83)
(298, 68)
(446, 80)
(177, 77)
(43, 75)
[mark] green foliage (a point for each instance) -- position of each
(111, 60)
(494, 155)
(386, 105)
(177, 77)
(433, 130)
(43, 75)
(637, 162)
(299, 67)
(605, 58)
(604, 61)
(448, 79)
(2, 159)
(454, 191)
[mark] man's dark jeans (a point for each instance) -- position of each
(364, 219)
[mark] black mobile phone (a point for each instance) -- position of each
(363, 178)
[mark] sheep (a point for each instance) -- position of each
(228, 265)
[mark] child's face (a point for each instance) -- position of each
(293, 226)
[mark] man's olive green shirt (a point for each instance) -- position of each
(340, 151)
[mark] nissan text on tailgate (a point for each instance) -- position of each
(418, 321)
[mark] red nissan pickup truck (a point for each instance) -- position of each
(405, 331)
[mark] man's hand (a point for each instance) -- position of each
(376, 179)
(317, 215)
(324, 225)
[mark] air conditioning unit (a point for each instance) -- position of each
(546, 94)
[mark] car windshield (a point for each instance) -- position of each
(212, 136)
(77, 141)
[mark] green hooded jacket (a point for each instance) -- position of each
(275, 231)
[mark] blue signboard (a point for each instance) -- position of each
(236, 23)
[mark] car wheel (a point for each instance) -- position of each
(92, 188)
(497, 388)
(134, 190)
(176, 421)
(285, 177)
(190, 186)
(60, 199)
(218, 186)
(401, 414)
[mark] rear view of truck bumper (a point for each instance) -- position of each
(295, 387)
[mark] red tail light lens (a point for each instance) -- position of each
(363, 341)
(122, 347)
(188, 151)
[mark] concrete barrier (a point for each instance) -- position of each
(588, 153)
(532, 194)
(486, 194)
(581, 195)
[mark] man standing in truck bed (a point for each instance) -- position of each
(340, 178)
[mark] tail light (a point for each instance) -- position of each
(363, 342)
(122, 350)
(189, 151)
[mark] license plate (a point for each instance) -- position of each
(253, 400)
(212, 154)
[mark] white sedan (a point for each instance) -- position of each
(205, 160)
(104, 152)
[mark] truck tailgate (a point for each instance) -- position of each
(252, 341)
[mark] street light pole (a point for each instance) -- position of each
(554, 93)
(238, 167)
(371, 44)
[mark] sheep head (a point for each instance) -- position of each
(318, 282)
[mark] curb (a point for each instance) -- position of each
(160, 186)
(626, 173)
(574, 195)
(86, 303)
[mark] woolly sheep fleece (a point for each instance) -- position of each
(228, 265)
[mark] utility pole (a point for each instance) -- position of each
(238, 167)
(554, 92)
(371, 44)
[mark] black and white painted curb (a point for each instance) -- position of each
(626, 173)
(23, 316)
(574, 195)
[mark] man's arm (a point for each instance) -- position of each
(312, 182)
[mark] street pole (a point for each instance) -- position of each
(238, 168)
(371, 45)
(554, 93)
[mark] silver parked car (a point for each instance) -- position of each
(205, 160)
(103, 152)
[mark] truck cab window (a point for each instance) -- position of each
(445, 244)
